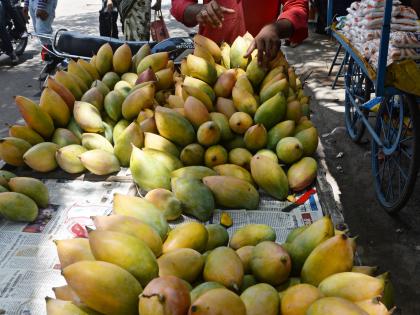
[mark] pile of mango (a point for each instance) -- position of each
(21, 197)
(133, 263)
(238, 125)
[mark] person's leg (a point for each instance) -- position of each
(32, 12)
(137, 22)
(5, 37)
(45, 26)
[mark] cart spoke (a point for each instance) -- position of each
(382, 122)
(406, 128)
(383, 173)
(406, 139)
(391, 171)
(399, 167)
(406, 153)
(390, 122)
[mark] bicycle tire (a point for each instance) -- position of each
(404, 146)
(359, 85)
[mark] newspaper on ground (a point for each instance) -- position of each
(29, 265)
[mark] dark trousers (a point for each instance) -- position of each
(108, 23)
(4, 35)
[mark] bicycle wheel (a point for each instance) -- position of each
(358, 87)
(395, 164)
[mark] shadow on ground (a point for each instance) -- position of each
(24, 76)
(390, 242)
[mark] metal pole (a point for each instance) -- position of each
(383, 51)
(330, 15)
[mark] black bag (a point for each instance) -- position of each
(108, 23)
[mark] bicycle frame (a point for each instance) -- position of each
(383, 48)
(379, 83)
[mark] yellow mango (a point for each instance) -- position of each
(41, 157)
(125, 251)
(142, 210)
(224, 266)
(187, 235)
(35, 117)
(115, 292)
(121, 59)
(184, 263)
(13, 149)
(73, 250)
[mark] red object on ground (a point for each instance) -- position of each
(251, 15)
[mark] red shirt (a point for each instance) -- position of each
(251, 16)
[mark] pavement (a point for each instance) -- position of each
(390, 242)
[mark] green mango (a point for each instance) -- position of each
(184, 263)
(196, 199)
(218, 236)
(261, 299)
(173, 126)
(143, 210)
(271, 111)
(251, 235)
(203, 288)
(281, 130)
(17, 207)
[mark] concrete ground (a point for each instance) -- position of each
(390, 242)
(393, 243)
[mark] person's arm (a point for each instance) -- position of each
(292, 23)
(190, 13)
(296, 12)
(178, 9)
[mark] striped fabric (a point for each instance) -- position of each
(137, 21)
(42, 4)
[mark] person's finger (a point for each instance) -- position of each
(268, 44)
(275, 47)
(213, 16)
(200, 19)
(269, 53)
(216, 8)
(261, 50)
(250, 49)
(227, 10)
(206, 18)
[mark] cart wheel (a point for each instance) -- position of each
(395, 164)
(358, 87)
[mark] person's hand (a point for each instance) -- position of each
(267, 42)
(213, 14)
(157, 6)
(42, 14)
(109, 5)
(25, 12)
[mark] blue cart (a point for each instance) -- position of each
(394, 126)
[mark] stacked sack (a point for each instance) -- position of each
(363, 28)
(133, 264)
(213, 133)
